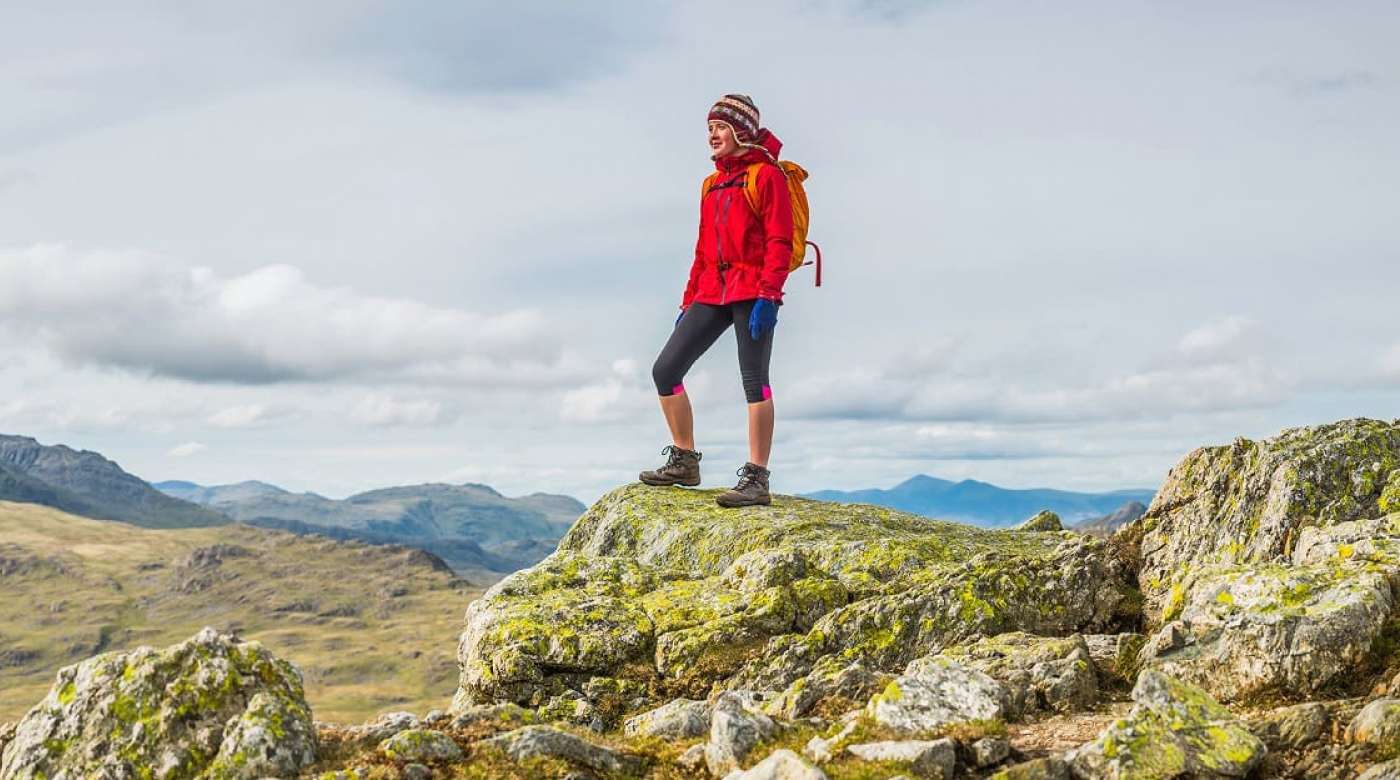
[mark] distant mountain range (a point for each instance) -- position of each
(479, 532)
(470, 526)
(984, 504)
(85, 483)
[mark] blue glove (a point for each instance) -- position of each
(763, 318)
(678, 317)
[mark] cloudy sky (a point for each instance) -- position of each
(343, 245)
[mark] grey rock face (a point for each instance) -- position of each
(548, 742)
(420, 745)
(1295, 727)
(780, 765)
(1174, 730)
(1115, 656)
(1269, 627)
(990, 750)
(212, 704)
(1377, 724)
(1247, 502)
(1050, 768)
(829, 680)
(680, 719)
(736, 727)
(935, 758)
(935, 692)
(1040, 674)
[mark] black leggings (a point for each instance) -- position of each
(701, 324)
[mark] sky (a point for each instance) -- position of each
(338, 246)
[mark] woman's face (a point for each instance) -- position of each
(722, 140)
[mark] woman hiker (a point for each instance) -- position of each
(741, 262)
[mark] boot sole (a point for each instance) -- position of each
(765, 501)
(669, 482)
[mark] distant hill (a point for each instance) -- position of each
(373, 628)
(88, 484)
(1103, 526)
(984, 504)
(472, 527)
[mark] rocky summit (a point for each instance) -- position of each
(1245, 626)
(661, 593)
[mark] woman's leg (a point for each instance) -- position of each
(697, 330)
(754, 357)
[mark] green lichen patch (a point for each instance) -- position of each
(714, 598)
(145, 709)
(1249, 502)
(1174, 730)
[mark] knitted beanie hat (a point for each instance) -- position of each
(739, 112)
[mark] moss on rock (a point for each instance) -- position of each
(211, 706)
(1174, 730)
(1248, 502)
(662, 586)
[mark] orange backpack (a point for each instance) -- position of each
(801, 214)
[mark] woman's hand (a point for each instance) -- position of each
(763, 318)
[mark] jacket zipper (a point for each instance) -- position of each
(722, 210)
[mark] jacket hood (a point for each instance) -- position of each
(765, 148)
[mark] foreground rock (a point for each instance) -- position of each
(1174, 730)
(546, 742)
(656, 593)
(212, 704)
(781, 765)
(1039, 674)
(934, 693)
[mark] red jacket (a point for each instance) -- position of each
(740, 255)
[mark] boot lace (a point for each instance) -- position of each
(747, 476)
(673, 455)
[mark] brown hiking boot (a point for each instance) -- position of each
(752, 489)
(682, 468)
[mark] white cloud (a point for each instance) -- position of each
(141, 313)
(238, 416)
(1029, 274)
(384, 410)
(1222, 339)
(187, 449)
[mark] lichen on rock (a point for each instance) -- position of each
(1248, 502)
(211, 706)
(1174, 730)
(662, 587)
(1040, 674)
(1244, 631)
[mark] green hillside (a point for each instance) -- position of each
(372, 627)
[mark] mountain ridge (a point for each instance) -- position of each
(87, 483)
(983, 503)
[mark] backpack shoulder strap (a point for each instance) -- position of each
(707, 183)
(751, 184)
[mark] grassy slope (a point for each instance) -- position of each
(70, 587)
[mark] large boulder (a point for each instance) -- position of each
(663, 589)
(1040, 674)
(936, 692)
(1249, 630)
(1174, 730)
(1249, 502)
(211, 706)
